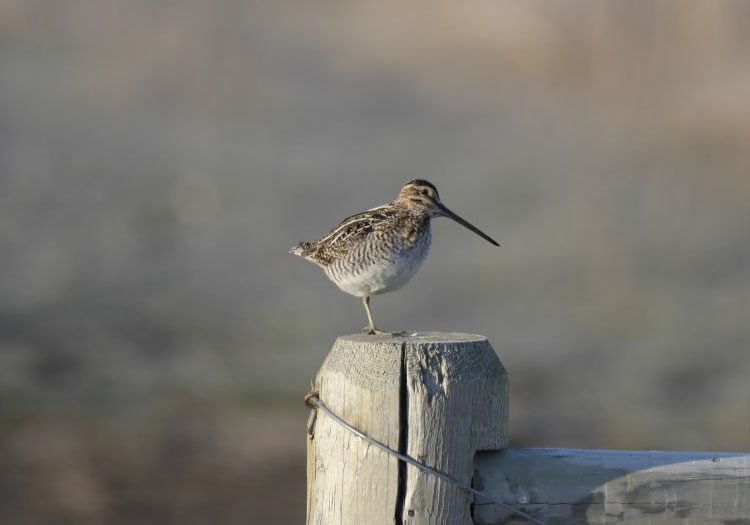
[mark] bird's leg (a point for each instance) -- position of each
(371, 330)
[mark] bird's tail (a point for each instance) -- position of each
(309, 252)
(299, 249)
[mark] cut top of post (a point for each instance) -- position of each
(415, 337)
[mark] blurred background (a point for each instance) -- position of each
(158, 159)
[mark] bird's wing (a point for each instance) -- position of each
(351, 230)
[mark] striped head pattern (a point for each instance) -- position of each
(422, 197)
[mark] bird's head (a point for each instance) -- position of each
(422, 197)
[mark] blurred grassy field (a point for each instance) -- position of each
(157, 160)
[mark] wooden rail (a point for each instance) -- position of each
(608, 486)
(443, 400)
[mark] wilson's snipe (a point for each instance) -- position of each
(379, 250)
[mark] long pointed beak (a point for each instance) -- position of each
(467, 224)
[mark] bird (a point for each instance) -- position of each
(380, 250)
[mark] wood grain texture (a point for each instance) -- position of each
(437, 397)
(457, 405)
(348, 480)
(607, 487)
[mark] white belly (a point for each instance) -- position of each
(384, 274)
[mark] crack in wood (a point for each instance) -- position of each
(403, 437)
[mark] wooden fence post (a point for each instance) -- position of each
(438, 397)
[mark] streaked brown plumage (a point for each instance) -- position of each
(379, 250)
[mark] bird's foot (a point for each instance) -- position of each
(374, 331)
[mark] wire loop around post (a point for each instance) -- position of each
(313, 401)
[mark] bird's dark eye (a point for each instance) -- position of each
(425, 192)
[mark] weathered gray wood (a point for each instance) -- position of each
(458, 404)
(348, 481)
(437, 397)
(603, 486)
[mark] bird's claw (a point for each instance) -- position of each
(374, 331)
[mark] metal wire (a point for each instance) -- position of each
(312, 400)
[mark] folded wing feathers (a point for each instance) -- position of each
(324, 250)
